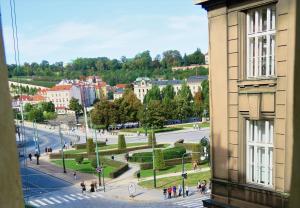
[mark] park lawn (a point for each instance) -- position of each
(191, 125)
(84, 167)
(142, 130)
(191, 180)
(171, 169)
(106, 147)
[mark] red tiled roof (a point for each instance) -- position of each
(60, 107)
(25, 97)
(38, 98)
(60, 88)
(121, 85)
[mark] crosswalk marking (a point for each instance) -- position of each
(192, 203)
(66, 200)
(48, 201)
(34, 204)
(71, 198)
(40, 202)
(53, 199)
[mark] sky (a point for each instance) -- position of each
(63, 30)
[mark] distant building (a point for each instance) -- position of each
(190, 67)
(143, 84)
(118, 93)
(60, 96)
(206, 58)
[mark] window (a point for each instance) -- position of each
(259, 136)
(261, 42)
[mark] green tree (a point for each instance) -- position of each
(35, 114)
(28, 107)
(198, 104)
(159, 162)
(205, 93)
(185, 93)
(76, 107)
(171, 58)
(121, 142)
(90, 146)
(152, 94)
(169, 108)
(79, 158)
(168, 92)
(47, 106)
(153, 115)
(151, 139)
(103, 113)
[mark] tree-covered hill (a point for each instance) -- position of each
(113, 71)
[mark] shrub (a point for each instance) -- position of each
(151, 138)
(119, 171)
(79, 159)
(171, 162)
(159, 161)
(171, 153)
(90, 148)
(121, 142)
(83, 145)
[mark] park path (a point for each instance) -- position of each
(176, 174)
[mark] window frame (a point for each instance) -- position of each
(268, 162)
(254, 68)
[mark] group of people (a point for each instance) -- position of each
(202, 186)
(172, 191)
(93, 187)
(48, 149)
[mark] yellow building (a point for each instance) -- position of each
(252, 66)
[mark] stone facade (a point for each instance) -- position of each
(235, 98)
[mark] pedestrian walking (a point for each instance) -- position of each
(169, 192)
(138, 175)
(199, 186)
(179, 190)
(92, 187)
(95, 185)
(112, 157)
(195, 165)
(187, 191)
(165, 192)
(46, 149)
(174, 191)
(75, 175)
(203, 187)
(30, 157)
(83, 188)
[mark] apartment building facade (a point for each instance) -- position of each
(251, 45)
(143, 84)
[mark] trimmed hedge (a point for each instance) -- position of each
(121, 142)
(159, 159)
(171, 153)
(119, 171)
(104, 152)
(90, 146)
(83, 145)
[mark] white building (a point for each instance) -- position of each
(143, 84)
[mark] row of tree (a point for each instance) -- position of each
(39, 112)
(157, 108)
(24, 90)
(128, 68)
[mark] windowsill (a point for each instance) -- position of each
(259, 186)
(256, 82)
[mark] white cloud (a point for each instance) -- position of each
(69, 40)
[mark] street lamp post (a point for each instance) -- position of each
(62, 149)
(97, 157)
(183, 174)
(153, 159)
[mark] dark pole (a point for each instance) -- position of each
(183, 192)
(153, 158)
(103, 177)
(62, 150)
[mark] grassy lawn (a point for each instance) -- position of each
(191, 125)
(84, 167)
(106, 147)
(191, 180)
(142, 130)
(171, 169)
